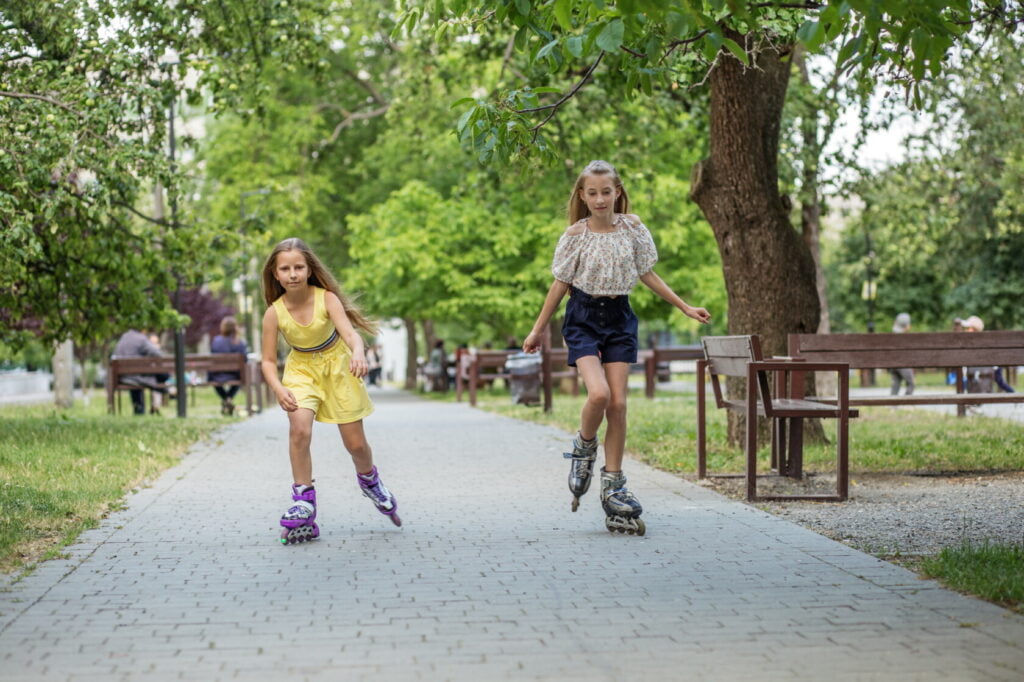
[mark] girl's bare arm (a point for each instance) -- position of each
(555, 294)
(269, 362)
(336, 311)
(658, 286)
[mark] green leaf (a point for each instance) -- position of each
(546, 50)
(563, 14)
(811, 34)
(736, 50)
(610, 37)
(523, 7)
(575, 46)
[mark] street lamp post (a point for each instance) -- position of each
(868, 294)
(179, 332)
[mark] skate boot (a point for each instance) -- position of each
(380, 496)
(622, 509)
(299, 522)
(582, 468)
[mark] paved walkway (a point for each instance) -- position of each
(492, 577)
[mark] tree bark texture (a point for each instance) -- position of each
(769, 272)
(411, 353)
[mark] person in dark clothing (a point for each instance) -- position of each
(227, 342)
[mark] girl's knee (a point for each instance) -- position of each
(300, 433)
(616, 408)
(599, 397)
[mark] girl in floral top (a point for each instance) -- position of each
(598, 261)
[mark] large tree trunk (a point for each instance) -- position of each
(769, 273)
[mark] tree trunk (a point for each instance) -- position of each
(411, 354)
(769, 273)
(64, 375)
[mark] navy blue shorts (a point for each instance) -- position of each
(601, 326)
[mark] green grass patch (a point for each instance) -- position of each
(663, 432)
(61, 471)
(990, 571)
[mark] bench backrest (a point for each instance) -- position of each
(911, 349)
(668, 353)
(492, 358)
(215, 362)
(728, 355)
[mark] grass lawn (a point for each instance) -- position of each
(61, 471)
(993, 572)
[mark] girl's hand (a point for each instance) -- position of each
(286, 400)
(699, 314)
(531, 344)
(358, 365)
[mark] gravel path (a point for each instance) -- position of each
(892, 515)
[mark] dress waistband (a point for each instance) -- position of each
(583, 298)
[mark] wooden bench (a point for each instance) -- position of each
(199, 365)
(918, 350)
(740, 356)
(657, 356)
(474, 370)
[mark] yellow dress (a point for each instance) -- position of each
(317, 368)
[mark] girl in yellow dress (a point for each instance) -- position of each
(322, 376)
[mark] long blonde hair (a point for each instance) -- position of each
(577, 209)
(319, 276)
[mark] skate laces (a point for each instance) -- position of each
(300, 510)
(380, 495)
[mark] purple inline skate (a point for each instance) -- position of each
(299, 522)
(380, 496)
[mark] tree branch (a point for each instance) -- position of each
(42, 98)
(567, 96)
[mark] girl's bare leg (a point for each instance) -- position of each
(354, 440)
(598, 395)
(617, 375)
(300, 433)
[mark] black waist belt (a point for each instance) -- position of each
(323, 346)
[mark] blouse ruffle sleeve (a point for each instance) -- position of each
(645, 252)
(567, 257)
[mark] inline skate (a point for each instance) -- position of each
(583, 455)
(381, 497)
(620, 506)
(299, 522)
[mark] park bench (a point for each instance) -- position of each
(199, 365)
(476, 368)
(918, 350)
(767, 395)
(655, 357)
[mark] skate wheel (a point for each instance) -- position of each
(575, 503)
(640, 527)
(396, 519)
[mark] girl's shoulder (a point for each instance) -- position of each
(576, 229)
(632, 220)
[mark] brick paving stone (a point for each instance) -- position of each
(491, 577)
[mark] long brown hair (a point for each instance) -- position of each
(319, 276)
(577, 209)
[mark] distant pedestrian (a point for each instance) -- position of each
(598, 261)
(902, 374)
(137, 344)
(227, 342)
(373, 364)
(322, 376)
(980, 379)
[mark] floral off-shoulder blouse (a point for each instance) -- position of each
(605, 263)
